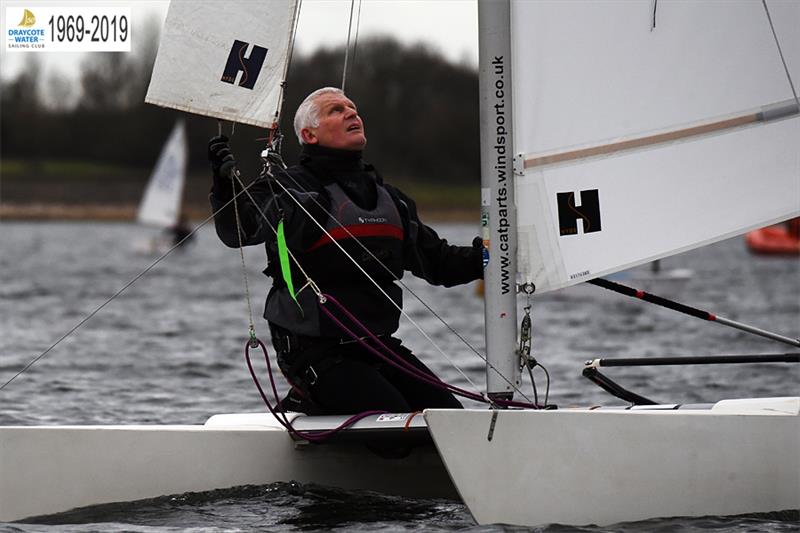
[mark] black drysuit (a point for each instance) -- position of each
(333, 373)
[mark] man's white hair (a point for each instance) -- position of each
(307, 115)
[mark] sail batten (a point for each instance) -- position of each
(649, 204)
(777, 111)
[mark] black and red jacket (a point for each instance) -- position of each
(379, 216)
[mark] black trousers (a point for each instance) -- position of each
(340, 379)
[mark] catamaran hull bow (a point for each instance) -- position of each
(603, 467)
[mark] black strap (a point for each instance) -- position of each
(297, 353)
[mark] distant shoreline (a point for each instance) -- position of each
(126, 213)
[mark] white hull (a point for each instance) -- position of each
(573, 466)
(51, 469)
(602, 467)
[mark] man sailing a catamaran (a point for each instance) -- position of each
(378, 228)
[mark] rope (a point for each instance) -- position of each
(280, 415)
(394, 360)
(388, 298)
(391, 274)
(309, 282)
(780, 52)
(400, 363)
(419, 328)
(406, 287)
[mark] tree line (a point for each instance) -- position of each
(420, 112)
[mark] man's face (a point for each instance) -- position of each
(339, 124)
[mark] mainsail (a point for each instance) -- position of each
(639, 133)
(161, 203)
(224, 60)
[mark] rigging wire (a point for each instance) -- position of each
(399, 308)
(309, 281)
(266, 172)
(252, 327)
(477, 396)
(119, 292)
(245, 189)
(355, 42)
(780, 52)
(347, 46)
(359, 267)
(398, 362)
(389, 271)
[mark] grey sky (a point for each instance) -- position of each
(449, 26)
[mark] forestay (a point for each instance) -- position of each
(161, 203)
(610, 172)
(224, 60)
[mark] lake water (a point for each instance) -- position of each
(168, 350)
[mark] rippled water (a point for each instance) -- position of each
(169, 349)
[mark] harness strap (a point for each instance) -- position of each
(303, 359)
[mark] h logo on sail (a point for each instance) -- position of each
(249, 66)
(587, 212)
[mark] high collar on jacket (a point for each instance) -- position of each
(324, 160)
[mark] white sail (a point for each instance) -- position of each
(224, 59)
(649, 131)
(161, 203)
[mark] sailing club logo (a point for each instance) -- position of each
(248, 65)
(588, 212)
(28, 19)
(26, 35)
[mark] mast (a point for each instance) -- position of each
(498, 211)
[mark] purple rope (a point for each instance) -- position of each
(283, 419)
(398, 362)
(401, 363)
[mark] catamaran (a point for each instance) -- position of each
(613, 134)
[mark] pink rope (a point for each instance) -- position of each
(278, 412)
(392, 359)
(403, 365)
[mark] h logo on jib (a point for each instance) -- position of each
(249, 66)
(588, 212)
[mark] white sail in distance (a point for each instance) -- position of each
(161, 203)
(641, 133)
(224, 59)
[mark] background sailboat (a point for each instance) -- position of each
(161, 203)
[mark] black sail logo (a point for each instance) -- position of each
(587, 213)
(249, 66)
